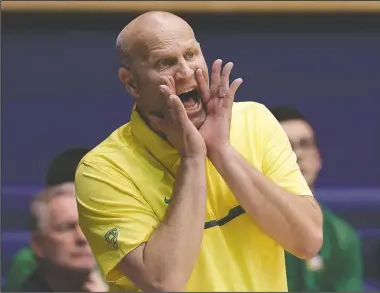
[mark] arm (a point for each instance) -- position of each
(166, 261)
(294, 220)
(154, 256)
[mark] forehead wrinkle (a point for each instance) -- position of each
(150, 32)
(167, 38)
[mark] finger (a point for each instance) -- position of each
(202, 86)
(215, 77)
(165, 90)
(176, 109)
(172, 84)
(225, 80)
(230, 96)
(234, 87)
(165, 80)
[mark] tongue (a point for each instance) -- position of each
(190, 102)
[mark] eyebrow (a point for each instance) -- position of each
(160, 52)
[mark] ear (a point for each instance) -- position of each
(127, 79)
(36, 243)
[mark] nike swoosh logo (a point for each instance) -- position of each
(166, 200)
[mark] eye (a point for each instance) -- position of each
(190, 55)
(164, 63)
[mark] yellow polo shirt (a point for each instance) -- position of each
(124, 187)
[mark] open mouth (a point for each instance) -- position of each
(190, 98)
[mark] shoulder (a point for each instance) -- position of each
(251, 117)
(248, 107)
(35, 283)
(255, 116)
(107, 170)
(25, 254)
(258, 125)
(115, 155)
(120, 143)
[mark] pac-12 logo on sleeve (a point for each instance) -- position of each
(111, 237)
(166, 200)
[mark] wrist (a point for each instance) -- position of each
(194, 160)
(218, 153)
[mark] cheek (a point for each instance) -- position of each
(149, 83)
(312, 162)
(52, 249)
(317, 162)
(59, 242)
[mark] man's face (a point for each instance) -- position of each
(301, 137)
(169, 51)
(62, 241)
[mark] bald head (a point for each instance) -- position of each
(146, 28)
(154, 46)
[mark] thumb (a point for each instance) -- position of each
(177, 111)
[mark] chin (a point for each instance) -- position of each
(82, 268)
(83, 264)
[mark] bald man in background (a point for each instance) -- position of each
(196, 192)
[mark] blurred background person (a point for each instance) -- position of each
(64, 259)
(338, 266)
(60, 170)
(322, 62)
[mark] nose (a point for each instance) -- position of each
(184, 71)
(298, 158)
(81, 239)
(298, 154)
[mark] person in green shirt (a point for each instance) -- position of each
(338, 265)
(61, 170)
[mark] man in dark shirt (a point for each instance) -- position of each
(61, 170)
(65, 261)
(338, 266)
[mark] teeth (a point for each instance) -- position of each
(186, 91)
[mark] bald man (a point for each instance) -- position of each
(196, 192)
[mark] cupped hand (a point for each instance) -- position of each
(218, 100)
(175, 125)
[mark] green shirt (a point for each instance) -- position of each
(23, 265)
(337, 267)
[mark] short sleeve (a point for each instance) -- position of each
(113, 215)
(279, 160)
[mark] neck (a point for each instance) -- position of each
(64, 280)
(142, 115)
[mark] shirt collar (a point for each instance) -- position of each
(156, 145)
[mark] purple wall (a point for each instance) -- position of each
(60, 87)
